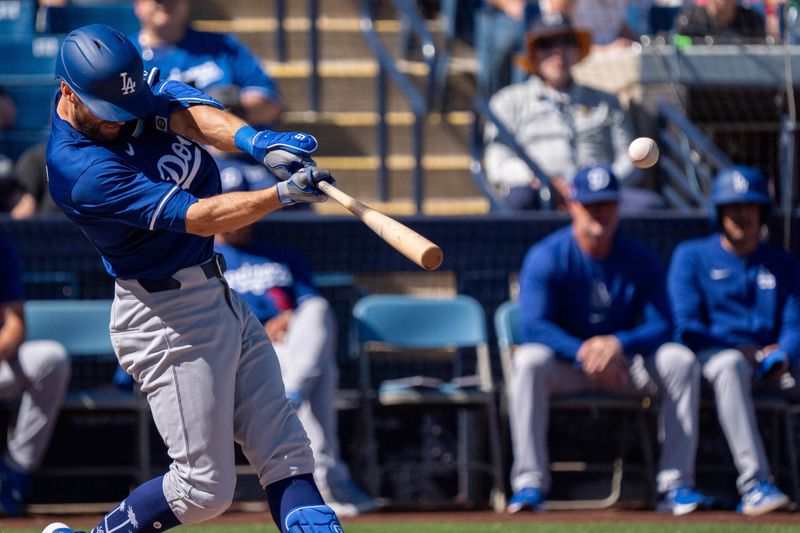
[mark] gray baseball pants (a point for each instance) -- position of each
(731, 377)
(40, 372)
(211, 378)
(673, 372)
(308, 364)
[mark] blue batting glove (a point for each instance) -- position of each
(770, 363)
(302, 186)
(282, 153)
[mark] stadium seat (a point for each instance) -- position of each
(82, 327)
(401, 330)
(28, 60)
(508, 331)
(64, 19)
(17, 18)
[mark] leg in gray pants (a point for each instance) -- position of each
(731, 375)
(40, 372)
(537, 374)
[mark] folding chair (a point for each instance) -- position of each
(508, 331)
(399, 329)
(82, 327)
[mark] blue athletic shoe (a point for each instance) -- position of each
(13, 487)
(529, 498)
(58, 527)
(762, 498)
(681, 501)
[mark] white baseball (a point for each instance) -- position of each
(643, 152)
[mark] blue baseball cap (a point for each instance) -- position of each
(594, 184)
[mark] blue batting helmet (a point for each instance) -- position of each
(105, 70)
(739, 184)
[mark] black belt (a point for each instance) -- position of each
(213, 268)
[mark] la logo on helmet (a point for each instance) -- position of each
(740, 183)
(128, 84)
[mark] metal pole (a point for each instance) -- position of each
(280, 34)
(382, 136)
(788, 128)
(313, 43)
(788, 173)
(419, 124)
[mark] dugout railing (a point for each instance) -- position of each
(419, 101)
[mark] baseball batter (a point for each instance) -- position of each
(126, 164)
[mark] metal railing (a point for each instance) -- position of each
(688, 161)
(313, 46)
(420, 103)
(484, 113)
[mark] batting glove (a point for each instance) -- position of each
(302, 186)
(282, 153)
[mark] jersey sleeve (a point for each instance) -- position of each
(172, 95)
(118, 192)
(789, 337)
(538, 303)
(248, 74)
(686, 297)
(655, 321)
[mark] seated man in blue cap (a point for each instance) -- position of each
(736, 304)
(594, 316)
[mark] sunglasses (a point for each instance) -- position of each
(563, 41)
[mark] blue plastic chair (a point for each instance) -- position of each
(17, 18)
(82, 327)
(63, 19)
(27, 60)
(401, 328)
(509, 335)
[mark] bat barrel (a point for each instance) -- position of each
(402, 238)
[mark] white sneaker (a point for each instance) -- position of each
(347, 499)
(58, 527)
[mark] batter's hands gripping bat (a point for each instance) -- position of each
(402, 238)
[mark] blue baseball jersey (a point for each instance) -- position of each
(130, 196)
(271, 279)
(567, 297)
(11, 286)
(720, 300)
(205, 60)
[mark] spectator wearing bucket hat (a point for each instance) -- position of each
(594, 315)
(561, 125)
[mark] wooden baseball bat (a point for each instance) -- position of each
(402, 238)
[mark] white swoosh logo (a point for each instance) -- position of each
(129, 149)
(720, 273)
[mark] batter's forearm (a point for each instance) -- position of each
(207, 125)
(230, 211)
